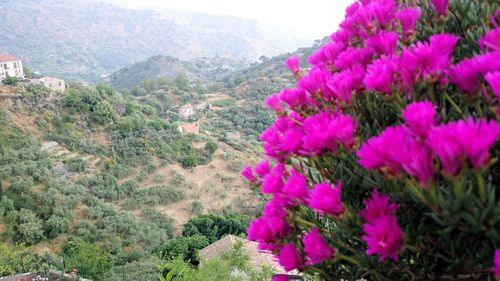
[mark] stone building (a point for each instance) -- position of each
(11, 66)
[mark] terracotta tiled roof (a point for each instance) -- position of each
(7, 57)
(191, 128)
(258, 258)
(186, 106)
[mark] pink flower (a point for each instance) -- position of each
(294, 97)
(345, 82)
(408, 18)
(281, 139)
(273, 181)
(466, 76)
(280, 277)
(417, 161)
(493, 79)
(259, 230)
(327, 55)
(352, 56)
(380, 75)
(326, 199)
(440, 6)
(420, 117)
(434, 58)
(378, 206)
(296, 186)
(273, 102)
(262, 168)
(314, 83)
(469, 138)
(324, 130)
(384, 238)
(316, 248)
(383, 43)
(293, 64)
(491, 41)
(496, 264)
(383, 151)
(290, 258)
(248, 174)
(383, 11)
(476, 137)
(408, 70)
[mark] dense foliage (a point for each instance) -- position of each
(382, 161)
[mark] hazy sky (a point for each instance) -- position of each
(310, 19)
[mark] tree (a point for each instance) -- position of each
(214, 227)
(29, 227)
(185, 248)
(104, 112)
(12, 81)
(90, 260)
(182, 82)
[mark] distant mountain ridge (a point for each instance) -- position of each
(84, 39)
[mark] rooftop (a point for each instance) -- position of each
(258, 258)
(8, 57)
(186, 106)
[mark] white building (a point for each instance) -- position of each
(52, 83)
(11, 66)
(186, 110)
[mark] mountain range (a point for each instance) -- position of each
(87, 39)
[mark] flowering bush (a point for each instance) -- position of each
(382, 161)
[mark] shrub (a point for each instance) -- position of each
(90, 260)
(13, 81)
(382, 154)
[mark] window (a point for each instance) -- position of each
(60, 84)
(5, 66)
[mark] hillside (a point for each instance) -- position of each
(85, 39)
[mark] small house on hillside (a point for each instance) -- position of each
(186, 110)
(52, 83)
(258, 258)
(11, 66)
(190, 128)
(202, 106)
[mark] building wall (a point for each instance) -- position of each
(55, 84)
(11, 69)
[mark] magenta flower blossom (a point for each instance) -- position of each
(259, 230)
(440, 6)
(273, 102)
(316, 248)
(324, 130)
(352, 56)
(470, 139)
(294, 97)
(383, 43)
(417, 161)
(383, 151)
(420, 117)
(327, 55)
(384, 238)
(314, 83)
(273, 181)
(380, 75)
(434, 58)
(296, 186)
(290, 258)
(247, 173)
(408, 70)
(262, 168)
(378, 206)
(466, 76)
(408, 17)
(293, 64)
(493, 79)
(384, 11)
(281, 139)
(280, 277)
(277, 206)
(496, 264)
(326, 199)
(491, 41)
(345, 82)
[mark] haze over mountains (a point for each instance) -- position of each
(85, 39)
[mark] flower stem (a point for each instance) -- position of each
(453, 104)
(480, 183)
(348, 259)
(305, 222)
